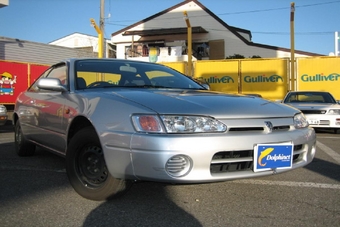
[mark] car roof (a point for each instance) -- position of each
(308, 91)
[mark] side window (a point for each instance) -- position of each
(58, 71)
(34, 87)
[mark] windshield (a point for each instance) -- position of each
(309, 97)
(110, 73)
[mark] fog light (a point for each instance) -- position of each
(337, 121)
(178, 165)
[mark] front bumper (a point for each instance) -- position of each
(148, 155)
(323, 120)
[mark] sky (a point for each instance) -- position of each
(44, 21)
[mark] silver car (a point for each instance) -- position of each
(320, 108)
(3, 115)
(119, 121)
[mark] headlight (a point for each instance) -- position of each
(190, 124)
(3, 110)
(177, 124)
(334, 111)
(300, 121)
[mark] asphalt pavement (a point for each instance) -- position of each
(35, 191)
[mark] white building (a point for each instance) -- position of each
(4, 3)
(41, 53)
(165, 33)
(82, 41)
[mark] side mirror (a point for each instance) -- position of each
(206, 86)
(201, 82)
(52, 84)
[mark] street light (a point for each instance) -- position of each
(100, 38)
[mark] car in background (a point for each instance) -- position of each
(320, 108)
(119, 121)
(3, 115)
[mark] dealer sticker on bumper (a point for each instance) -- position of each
(273, 156)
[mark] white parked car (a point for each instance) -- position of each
(320, 108)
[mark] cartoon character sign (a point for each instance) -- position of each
(7, 83)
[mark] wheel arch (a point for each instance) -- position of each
(77, 124)
(15, 118)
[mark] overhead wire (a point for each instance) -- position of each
(117, 23)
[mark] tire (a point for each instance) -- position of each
(22, 146)
(336, 131)
(87, 171)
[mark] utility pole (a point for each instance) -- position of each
(292, 48)
(336, 52)
(100, 29)
(101, 25)
(189, 52)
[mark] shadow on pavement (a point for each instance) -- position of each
(8, 127)
(41, 181)
(324, 168)
(146, 204)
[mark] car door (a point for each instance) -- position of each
(48, 108)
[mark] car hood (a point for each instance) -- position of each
(198, 102)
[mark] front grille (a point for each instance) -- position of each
(258, 129)
(242, 129)
(282, 127)
(313, 111)
(232, 161)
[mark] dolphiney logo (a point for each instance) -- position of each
(263, 79)
(264, 153)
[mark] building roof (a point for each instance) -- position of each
(236, 31)
(3, 3)
(165, 31)
(76, 34)
(40, 53)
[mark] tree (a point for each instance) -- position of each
(239, 56)
(235, 56)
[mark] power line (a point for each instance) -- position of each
(253, 32)
(296, 33)
(282, 8)
(245, 12)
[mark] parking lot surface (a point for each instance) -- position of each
(35, 191)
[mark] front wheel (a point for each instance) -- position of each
(22, 146)
(87, 170)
